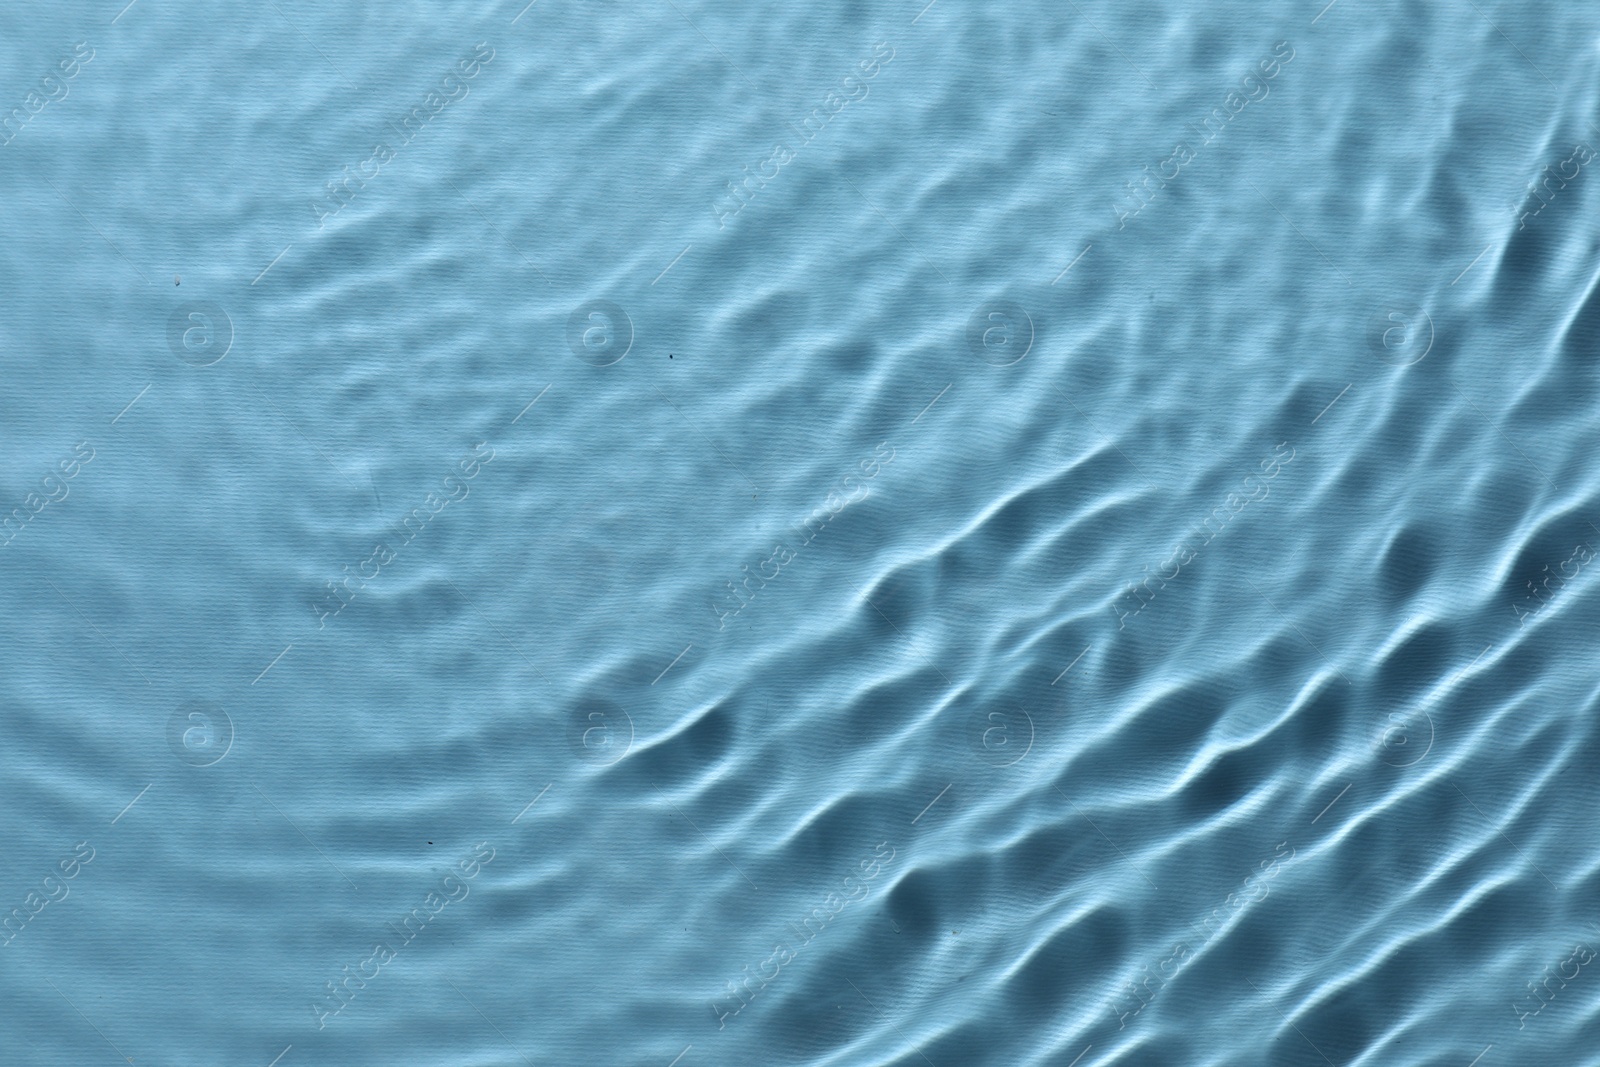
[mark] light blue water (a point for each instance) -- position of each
(845, 534)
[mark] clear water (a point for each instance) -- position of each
(843, 534)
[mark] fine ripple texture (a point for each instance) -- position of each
(845, 535)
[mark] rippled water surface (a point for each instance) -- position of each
(844, 534)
